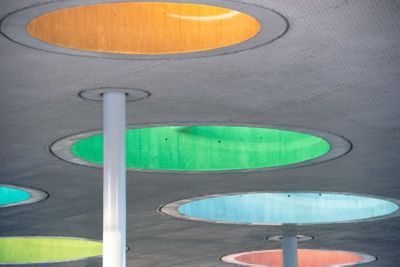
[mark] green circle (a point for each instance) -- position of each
(24, 250)
(10, 195)
(207, 148)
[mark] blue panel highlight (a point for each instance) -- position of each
(11, 195)
(287, 208)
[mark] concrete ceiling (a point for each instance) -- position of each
(337, 70)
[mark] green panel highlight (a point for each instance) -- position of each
(208, 148)
(24, 250)
(11, 195)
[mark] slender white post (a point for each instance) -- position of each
(114, 187)
(289, 247)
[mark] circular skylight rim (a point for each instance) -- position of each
(13, 27)
(339, 146)
(53, 261)
(231, 258)
(35, 195)
(171, 209)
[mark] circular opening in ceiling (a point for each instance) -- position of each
(143, 30)
(30, 250)
(300, 238)
(206, 148)
(144, 27)
(12, 195)
(306, 258)
(131, 94)
(277, 208)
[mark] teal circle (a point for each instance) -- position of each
(10, 195)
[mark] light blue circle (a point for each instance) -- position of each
(11, 195)
(287, 208)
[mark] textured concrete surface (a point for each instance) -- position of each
(336, 70)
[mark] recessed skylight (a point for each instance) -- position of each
(144, 27)
(274, 208)
(203, 148)
(12, 195)
(30, 250)
(306, 258)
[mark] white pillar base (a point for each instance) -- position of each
(112, 241)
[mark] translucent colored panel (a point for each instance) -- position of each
(46, 249)
(306, 258)
(144, 27)
(208, 148)
(10, 195)
(287, 208)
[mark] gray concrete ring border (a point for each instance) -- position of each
(13, 27)
(36, 195)
(96, 94)
(171, 209)
(231, 258)
(300, 238)
(339, 147)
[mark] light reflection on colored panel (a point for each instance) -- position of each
(306, 258)
(144, 27)
(20, 250)
(10, 195)
(208, 148)
(287, 208)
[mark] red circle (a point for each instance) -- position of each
(306, 258)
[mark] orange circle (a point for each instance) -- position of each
(144, 27)
(306, 258)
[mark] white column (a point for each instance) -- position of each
(289, 248)
(114, 187)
